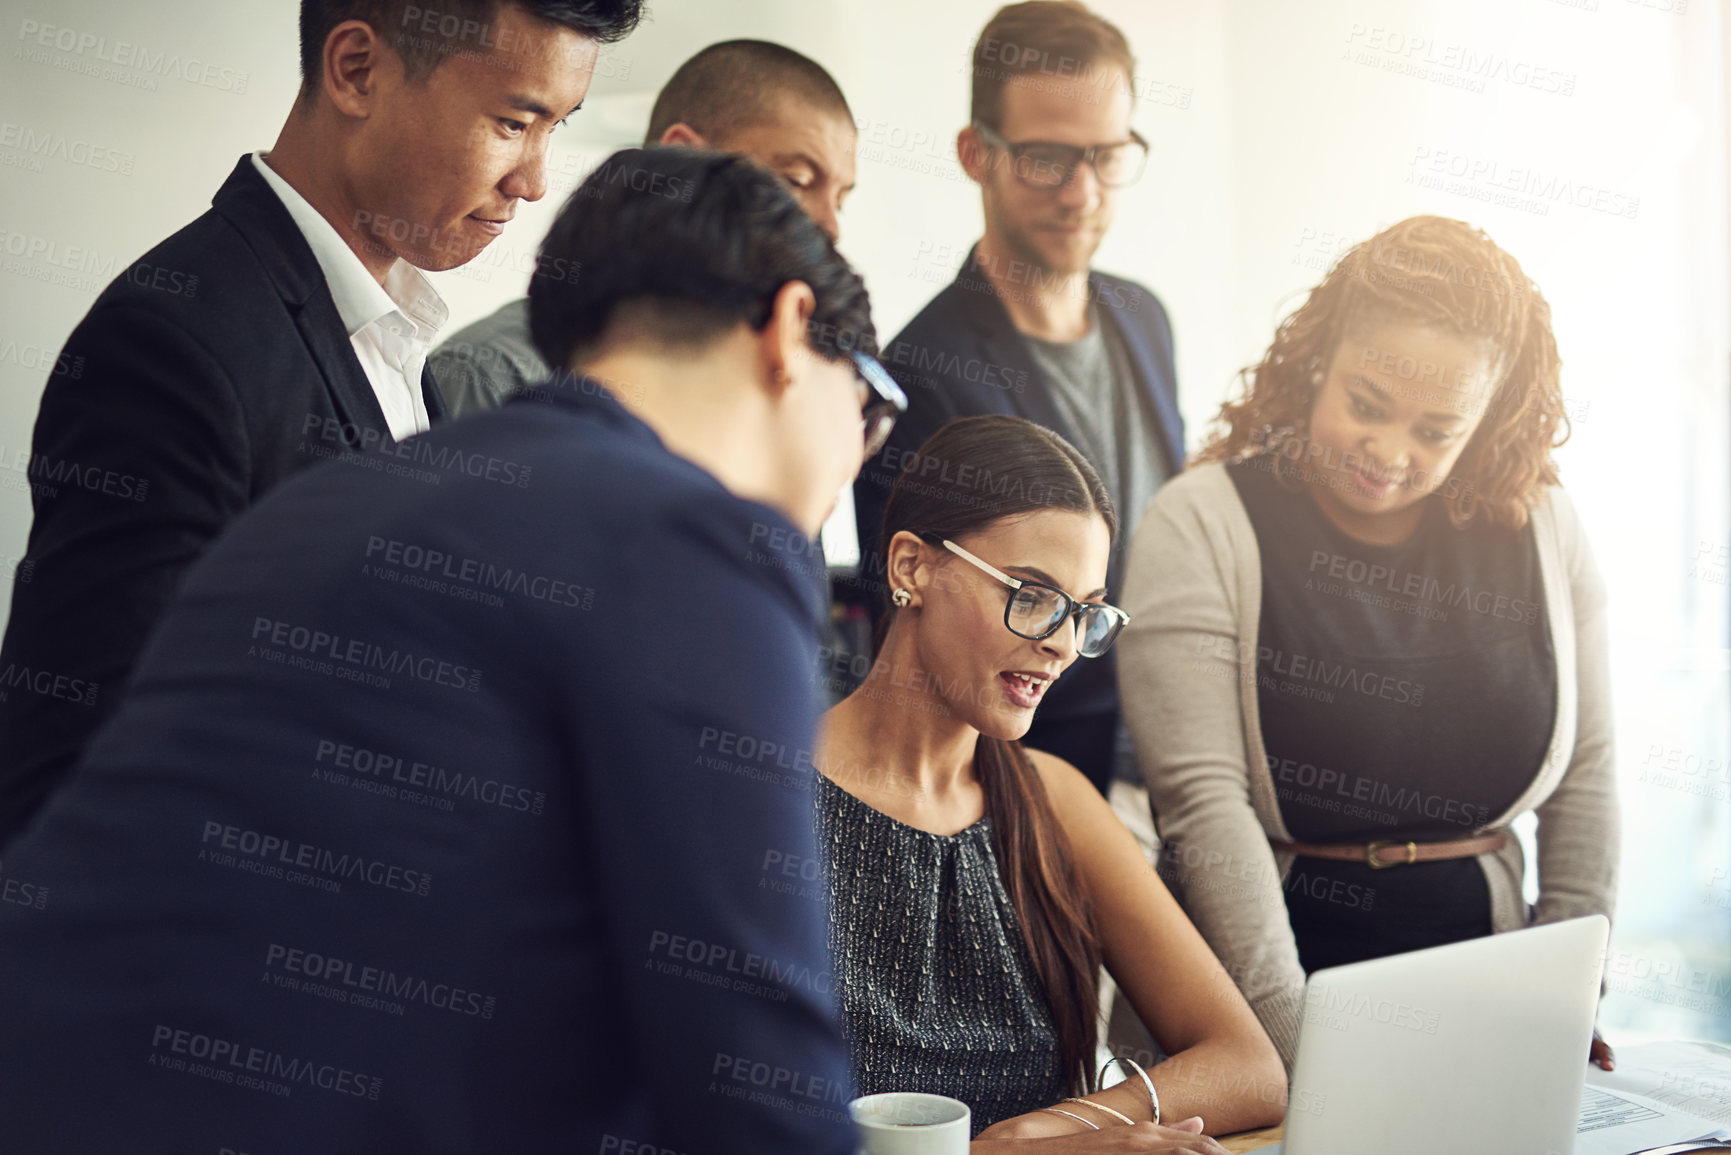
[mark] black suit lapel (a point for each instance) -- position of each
(254, 209)
(1145, 362)
(1008, 348)
(1002, 345)
(346, 382)
(435, 400)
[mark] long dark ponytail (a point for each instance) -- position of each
(967, 475)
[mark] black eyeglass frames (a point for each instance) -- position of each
(1048, 164)
(1037, 611)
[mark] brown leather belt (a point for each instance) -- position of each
(1388, 852)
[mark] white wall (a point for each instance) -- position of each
(904, 67)
(1279, 131)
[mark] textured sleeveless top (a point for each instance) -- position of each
(937, 989)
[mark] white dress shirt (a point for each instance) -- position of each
(391, 327)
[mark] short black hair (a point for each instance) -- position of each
(731, 85)
(683, 244)
(425, 37)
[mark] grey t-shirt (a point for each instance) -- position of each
(1094, 388)
(482, 364)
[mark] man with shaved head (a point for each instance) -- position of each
(771, 104)
(752, 97)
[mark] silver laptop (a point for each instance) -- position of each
(1476, 1046)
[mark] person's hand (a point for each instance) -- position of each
(1044, 1124)
(1599, 1054)
(1027, 1133)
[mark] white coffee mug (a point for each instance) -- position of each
(910, 1123)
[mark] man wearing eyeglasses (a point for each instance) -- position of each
(1028, 328)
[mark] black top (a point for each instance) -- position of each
(437, 819)
(938, 991)
(1407, 692)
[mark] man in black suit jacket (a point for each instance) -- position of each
(1027, 328)
(453, 805)
(287, 325)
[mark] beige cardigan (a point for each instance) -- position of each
(1186, 677)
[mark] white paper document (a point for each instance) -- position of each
(1660, 1093)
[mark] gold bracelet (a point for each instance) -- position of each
(1073, 1115)
(1118, 1115)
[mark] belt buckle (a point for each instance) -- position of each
(1371, 848)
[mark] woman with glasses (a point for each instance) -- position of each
(1369, 634)
(976, 886)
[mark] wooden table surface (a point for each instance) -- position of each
(1251, 1140)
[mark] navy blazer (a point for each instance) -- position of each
(963, 356)
(453, 808)
(207, 372)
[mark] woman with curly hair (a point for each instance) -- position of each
(1367, 633)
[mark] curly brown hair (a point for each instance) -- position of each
(1437, 273)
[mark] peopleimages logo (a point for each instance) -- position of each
(1374, 577)
(1357, 788)
(1328, 1008)
(776, 1079)
(46, 145)
(92, 50)
(375, 448)
(1304, 672)
(271, 850)
(277, 641)
(21, 893)
(226, 1061)
(47, 683)
(47, 476)
(431, 561)
(361, 979)
(721, 958)
(396, 775)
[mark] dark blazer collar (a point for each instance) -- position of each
(1145, 358)
(432, 397)
(248, 203)
(1004, 345)
(979, 303)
